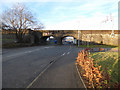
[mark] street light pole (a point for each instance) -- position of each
(112, 22)
(88, 41)
(78, 39)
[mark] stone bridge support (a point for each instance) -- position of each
(59, 40)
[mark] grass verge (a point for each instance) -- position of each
(110, 61)
(101, 46)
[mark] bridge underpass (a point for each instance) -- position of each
(68, 40)
(58, 40)
(59, 35)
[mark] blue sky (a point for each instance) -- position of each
(71, 14)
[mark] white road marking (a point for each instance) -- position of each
(68, 53)
(46, 47)
(14, 55)
(29, 51)
(63, 54)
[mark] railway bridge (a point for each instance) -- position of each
(59, 35)
(108, 37)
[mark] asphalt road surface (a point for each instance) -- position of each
(40, 67)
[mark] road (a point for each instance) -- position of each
(40, 67)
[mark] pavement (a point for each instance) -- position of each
(40, 67)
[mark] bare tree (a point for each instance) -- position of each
(20, 19)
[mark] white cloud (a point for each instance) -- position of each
(43, 0)
(94, 1)
(97, 8)
(85, 23)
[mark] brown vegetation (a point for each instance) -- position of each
(93, 76)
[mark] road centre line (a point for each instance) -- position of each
(46, 47)
(63, 54)
(68, 53)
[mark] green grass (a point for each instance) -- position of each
(102, 46)
(108, 60)
(8, 39)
